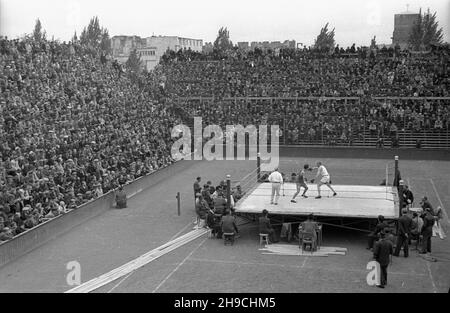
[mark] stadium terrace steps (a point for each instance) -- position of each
(431, 139)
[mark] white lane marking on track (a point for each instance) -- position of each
(124, 278)
(177, 234)
(120, 282)
(304, 262)
(134, 193)
(431, 277)
(178, 266)
(296, 266)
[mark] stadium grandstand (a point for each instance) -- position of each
(75, 126)
(134, 158)
(72, 128)
(394, 98)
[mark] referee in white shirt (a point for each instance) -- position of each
(276, 179)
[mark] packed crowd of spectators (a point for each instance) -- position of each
(304, 73)
(72, 129)
(334, 121)
(74, 125)
(392, 115)
(289, 73)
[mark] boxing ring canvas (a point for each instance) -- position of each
(352, 201)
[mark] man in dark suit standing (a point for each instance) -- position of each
(373, 236)
(121, 198)
(381, 253)
(197, 187)
(427, 231)
(404, 231)
(407, 196)
(265, 227)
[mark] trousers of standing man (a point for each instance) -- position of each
(383, 275)
(275, 192)
(402, 242)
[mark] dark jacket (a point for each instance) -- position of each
(428, 222)
(404, 225)
(425, 204)
(264, 225)
(228, 224)
(121, 199)
(380, 226)
(220, 205)
(407, 194)
(382, 251)
(197, 188)
(201, 208)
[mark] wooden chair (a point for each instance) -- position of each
(262, 238)
(307, 239)
(228, 238)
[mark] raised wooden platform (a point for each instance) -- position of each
(351, 201)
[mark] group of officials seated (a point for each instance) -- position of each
(212, 209)
(212, 212)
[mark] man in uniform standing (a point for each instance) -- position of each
(121, 198)
(404, 231)
(407, 196)
(427, 231)
(381, 253)
(373, 236)
(197, 187)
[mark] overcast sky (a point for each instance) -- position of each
(356, 21)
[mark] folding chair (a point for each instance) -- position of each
(307, 239)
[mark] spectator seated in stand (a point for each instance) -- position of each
(73, 127)
(308, 72)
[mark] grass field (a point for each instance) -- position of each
(206, 265)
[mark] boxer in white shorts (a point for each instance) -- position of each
(323, 178)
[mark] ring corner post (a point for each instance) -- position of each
(228, 192)
(258, 167)
(399, 184)
(178, 203)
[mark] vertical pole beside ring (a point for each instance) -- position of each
(228, 192)
(258, 167)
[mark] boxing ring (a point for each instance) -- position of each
(351, 201)
(355, 206)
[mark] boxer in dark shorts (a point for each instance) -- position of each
(300, 181)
